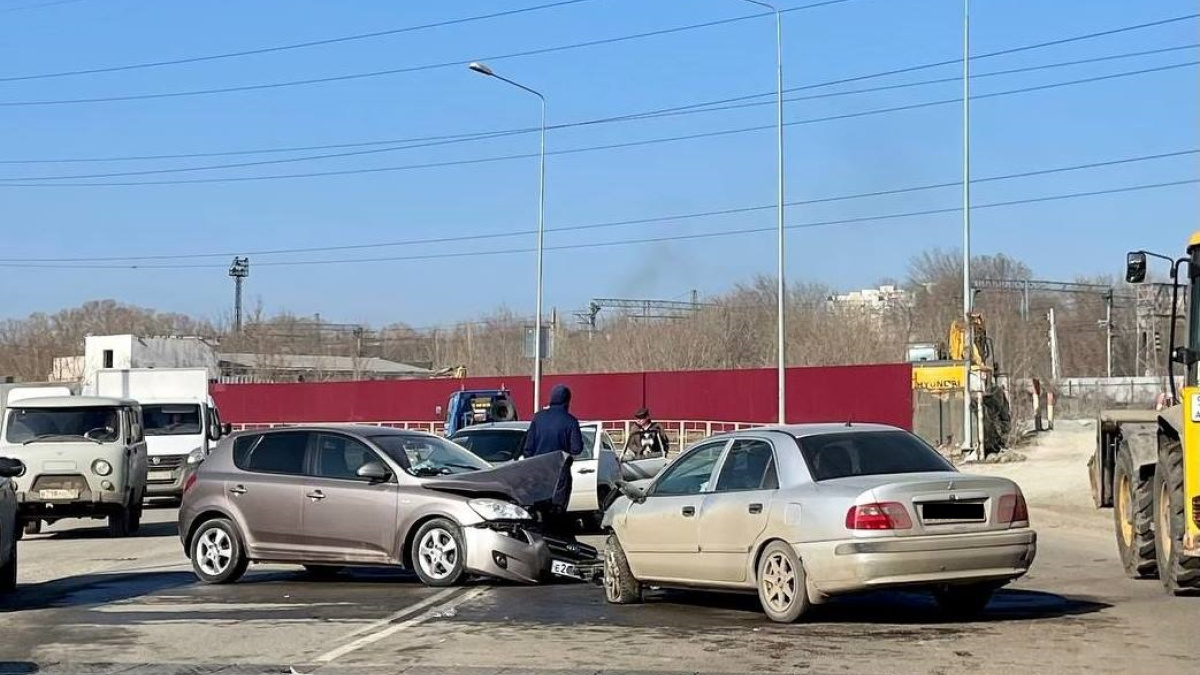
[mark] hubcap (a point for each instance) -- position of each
(612, 581)
(778, 582)
(437, 553)
(1125, 508)
(214, 552)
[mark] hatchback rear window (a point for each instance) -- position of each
(275, 453)
(869, 453)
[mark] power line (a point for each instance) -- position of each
(619, 223)
(622, 242)
(405, 69)
(15, 181)
(396, 145)
(287, 47)
(555, 49)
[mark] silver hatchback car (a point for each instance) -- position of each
(334, 497)
(802, 513)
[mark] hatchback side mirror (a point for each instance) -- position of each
(11, 468)
(374, 472)
(1135, 267)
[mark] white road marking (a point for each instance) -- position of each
(388, 628)
(167, 607)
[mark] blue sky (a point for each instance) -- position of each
(1120, 118)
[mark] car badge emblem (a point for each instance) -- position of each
(155, 461)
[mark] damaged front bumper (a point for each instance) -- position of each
(520, 552)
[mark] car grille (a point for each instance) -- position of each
(570, 550)
(166, 461)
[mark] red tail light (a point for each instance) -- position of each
(880, 516)
(1013, 509)
(187, 484)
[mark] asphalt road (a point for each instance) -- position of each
(92, 604)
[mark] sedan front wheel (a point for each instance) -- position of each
(782, 585)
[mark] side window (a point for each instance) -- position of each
(589, 443)
(606, 442)
(341, 457)
(278, 453)
(750, 465)
(241, 448)
(690, 474)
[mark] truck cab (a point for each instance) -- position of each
(84, 457)
(182, 423)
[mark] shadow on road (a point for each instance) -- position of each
(18, 668)
(167, 529)
(92, 589)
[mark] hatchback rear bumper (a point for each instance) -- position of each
(848, 566)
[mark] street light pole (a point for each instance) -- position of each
(781, 290)
(967, 295)
(483, 69)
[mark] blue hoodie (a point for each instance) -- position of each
(554, 429)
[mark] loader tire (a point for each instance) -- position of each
(1180, 574)
(1133, 516)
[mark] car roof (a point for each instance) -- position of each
(73, 402)
(359, 429)
(818, 428)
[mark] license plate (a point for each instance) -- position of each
(563, 569)
(59, 494)
(953, 511)
(160, 475)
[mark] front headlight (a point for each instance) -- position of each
(196, 456)
(495, 509)
(101, 467)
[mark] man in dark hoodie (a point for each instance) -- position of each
(554, 429)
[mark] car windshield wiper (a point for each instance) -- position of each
(43, 437)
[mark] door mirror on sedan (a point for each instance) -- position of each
(374, 472)
(635, 493)
(11, 468)
(1135, 267)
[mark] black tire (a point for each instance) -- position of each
(439, 553)
(323, 572)
(135, 515)
(118, 523)
(8, 572)
(1133, 516)
(1180, 574)
(620, 586)
(32, 527)
(964, 601)
(782, 583)
(216, 552)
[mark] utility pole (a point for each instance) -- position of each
(1108, 331)
(968, 296)
(1053, 347)
(239, 269)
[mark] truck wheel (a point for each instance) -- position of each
(119, 522)
(1180, 574)
(135, 515)
(8, 573)
(1133, 516)
(620, 586)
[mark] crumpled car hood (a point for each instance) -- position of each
(538, 482)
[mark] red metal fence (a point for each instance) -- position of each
(874, 393)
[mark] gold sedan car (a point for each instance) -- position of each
(803, 513)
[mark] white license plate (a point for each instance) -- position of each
(563, 569)
(58, 494)
(160, 475)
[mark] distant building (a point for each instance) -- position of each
(881, 299)
(131, 351)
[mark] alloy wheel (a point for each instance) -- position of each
(214, 551)
(779, 582)
(438, 553)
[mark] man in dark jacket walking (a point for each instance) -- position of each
(554, 429)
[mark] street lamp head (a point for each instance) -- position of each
(482, 69)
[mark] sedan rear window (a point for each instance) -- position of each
(492, 445)
(869, 453)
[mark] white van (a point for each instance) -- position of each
(182, 424)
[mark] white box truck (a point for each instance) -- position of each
(181, 420)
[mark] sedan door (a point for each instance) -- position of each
(583, 474)
(348, 519)
(661, 535)
(266, 493)
(735, 514)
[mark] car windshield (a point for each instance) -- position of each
(425, 456)
(31, 425)
(839, 455)
(492, 445)
(171, 420)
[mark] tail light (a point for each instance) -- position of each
(187, 484)
(1013, 509)
(879, 516)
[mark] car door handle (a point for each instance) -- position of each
(587, 471)
(316, 495)
(689, 511)
(238, 490)
(756, 508)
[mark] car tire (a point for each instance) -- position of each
(439, 553)
(1180, 574)
(135, 515)
(32, 527)
(1133, 516)
(964, 601)
(323, 572)
(782, 583)
(8, 572)
(119, 522)
(217, 554)
(620, 586)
